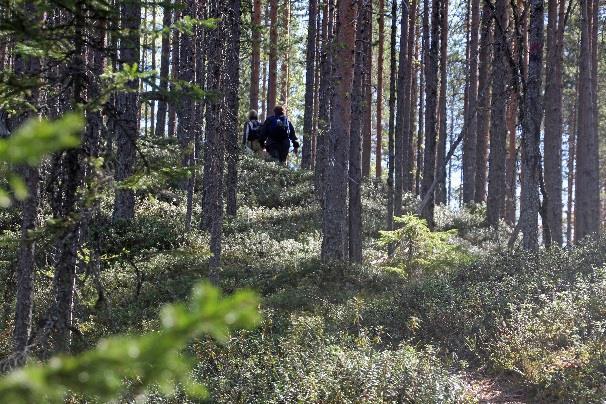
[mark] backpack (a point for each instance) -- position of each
(254, 130)
(279, 128)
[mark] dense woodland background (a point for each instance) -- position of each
(437, 239)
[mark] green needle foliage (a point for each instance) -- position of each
(151, 360)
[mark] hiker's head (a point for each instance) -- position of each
(279, 110)
(252, 114)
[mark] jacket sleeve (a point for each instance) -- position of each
(245, 133)
(291, 132)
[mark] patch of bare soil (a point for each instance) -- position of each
(495, 389)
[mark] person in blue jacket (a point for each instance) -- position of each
(278, 133)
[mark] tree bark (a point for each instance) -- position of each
(379, 110)
(431, 98)
(334, 223)
(310, 84)
(127, 108)
(273, 55)
(403, 111)
(164, 67)
(443, 134)
(409, 102)
(470, 140)
(172, 112)
(483, 109)
(255, 58)
(587, 189)
(531, 132)
(392, 117)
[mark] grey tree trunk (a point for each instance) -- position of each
(531, 131)
(440, 193)
(483, 105)
(587, 188)
(392, 118)
(232, 80)
(421, 132)
(409, 102)
(334, 219)
(164, 67)
(495, 203)
(358, 110)
(469, 142)
(403, 111)
(255, 59)
(310, 74)
(174, 71)
(273, 56)
(431, 101)
(379, 107)
(127, 111)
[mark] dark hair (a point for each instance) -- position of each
(252, 114)
(279, 110)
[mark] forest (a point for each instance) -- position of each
(302, 201)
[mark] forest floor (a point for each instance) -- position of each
(475, 323)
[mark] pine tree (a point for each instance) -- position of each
(310, 86)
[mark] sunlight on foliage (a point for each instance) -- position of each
(418, 248)
(152, 360)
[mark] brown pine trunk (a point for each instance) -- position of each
(587, 191)
(310, 85)
(367, 117)
(255, 59)
(431, 101)
(273, 55)
(511, 162)
(483, 105)
(440, 192)
(470, 140)
(174, 69)
(334, 223)
(421, 130)
(379, 123)
(531, 133)
(285, 68)
(572, 120)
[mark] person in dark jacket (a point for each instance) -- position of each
(252, 137)
(278, 133)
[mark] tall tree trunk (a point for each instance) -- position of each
(392, 117)
(572, 121)
(255, 59)
(273, 55)
(214, 150)
(511, 171)
(26, 67)
(358, 109)
(402, 111)
(232, 103)
(367, 117)
(587, 189)
(172, 112)
(440, 193)
(379, 123)
(553, 121)
(483, 109)
(431, 98)
(334, 223)
(284, 67)
(495, 202)
(127, 107)
(409, 101)
(310, 85)
(469, 142)
(531, 132)
(421, 131)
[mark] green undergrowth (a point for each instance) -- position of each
(377, 332)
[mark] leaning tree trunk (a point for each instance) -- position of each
(310, 74)
(334, 220)
(127, 106)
